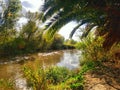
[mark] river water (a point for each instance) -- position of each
(13, 69)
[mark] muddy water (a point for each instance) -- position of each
(13, 70)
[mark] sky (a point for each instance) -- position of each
(34, 5)
(66, 30)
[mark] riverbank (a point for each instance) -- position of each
(22, 52)
(62, 58)
(29, 56)
(105, 77)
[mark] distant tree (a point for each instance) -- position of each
(70, 42)
(58, 41)
(32, 16)
(28, 30)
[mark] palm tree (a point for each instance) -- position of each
(102, 13)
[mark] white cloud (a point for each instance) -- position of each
(66, 30)
(1, 9)
(35, 5)
(23, 20)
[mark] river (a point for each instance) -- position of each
(13, 69)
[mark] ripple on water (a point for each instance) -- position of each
(21, 84)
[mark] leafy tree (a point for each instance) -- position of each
(58, 41)
(32, 16)
(102, 13)
(28, 30)
(10, 14)
(70, 42)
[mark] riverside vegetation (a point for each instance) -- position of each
(100, 51)
(92, 59)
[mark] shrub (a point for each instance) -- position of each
(92, 50)
(57, 74)
(6, 84)
(41, 79)
(36, 78)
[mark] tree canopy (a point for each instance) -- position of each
(102, 13)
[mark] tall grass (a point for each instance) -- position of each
(56, 78)
(41, 79)
(6, 84)
(92, 50)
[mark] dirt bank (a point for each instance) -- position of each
(105, 77)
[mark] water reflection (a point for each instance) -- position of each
(70, 59)
(64, 58)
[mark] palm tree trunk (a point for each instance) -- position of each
(113, 27)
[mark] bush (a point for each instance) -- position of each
(57, 74)
(36, 78)
(6, 84)
(41, 79)
(57, 42)
(56, 78)
(92, 50)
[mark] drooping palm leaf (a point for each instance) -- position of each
(76, 11)
(89, 27)
(80, 24)
(102, 13)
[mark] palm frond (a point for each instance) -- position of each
(80, 24)
(87, 30)
(101, 12)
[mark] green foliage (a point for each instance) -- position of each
(77, 81)
(28, 30)
(94, 13)
(32, 16)
(92, 50)
(57, 75)
(45, 79)
(70, 42)
(10, 14)
(29, 35)
(57, 78)
(49, 42)
(28, 40)
(90, 65)
(6, 84)
(76, 10)
(58, 41)
(46, 41)
(36, 78)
